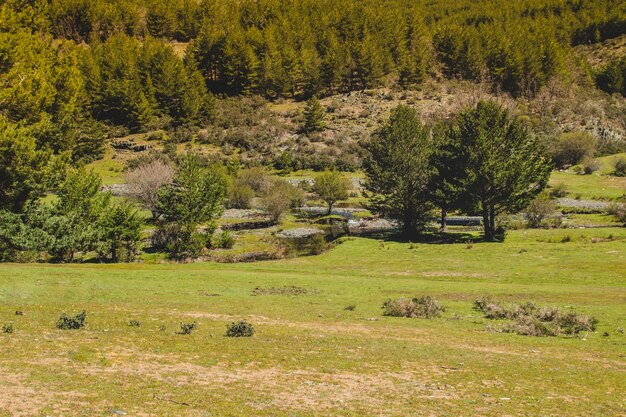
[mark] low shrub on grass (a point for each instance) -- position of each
(529, 326)
(134, 323)
(239, 329)
(187, 328)
(7, 328)
(75, 322)
(571, 323)
(351, 307)
(285, 290)
(423, 307)
(531, 320)
(492, 309)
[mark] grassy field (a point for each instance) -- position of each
(310, 356)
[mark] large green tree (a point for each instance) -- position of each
(504, 167)
(398, 170)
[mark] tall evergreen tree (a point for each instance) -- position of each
(398, 170)
(504, 166)
(313, 116)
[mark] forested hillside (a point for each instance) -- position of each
(74, 73)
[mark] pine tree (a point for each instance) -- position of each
(503, 166)
(313, 116)
(398, 170)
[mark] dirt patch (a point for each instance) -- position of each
(20, 398)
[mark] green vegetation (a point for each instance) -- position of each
(312, 347)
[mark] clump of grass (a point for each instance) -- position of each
(423, 307)
(285, 290)
(187, 328)
(239, 329)
(134, 323)
(351, 307)
(8, 328)
(530, 320)
(75, 322)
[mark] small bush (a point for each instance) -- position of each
(572, 323)
(423, 307)
(66, 322)
(529, 326)
(224, 240)
(351, 307)
(590, 166)
(620, 168)
(7, 328)
(531, 320)
(240, 195)
(134, 323)
(539, 210)
(558, 191)
(619, 211)
(239, 329)
(187, 328)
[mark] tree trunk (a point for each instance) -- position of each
(489, 233)
(492, 221)
(444, 214)
(330, 208)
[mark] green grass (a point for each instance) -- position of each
(309, 356)
(591, 187)
(110, 170)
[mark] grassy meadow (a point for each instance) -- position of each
(310, 356)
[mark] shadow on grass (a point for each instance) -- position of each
(428, 237)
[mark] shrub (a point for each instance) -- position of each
(134, 323)
(279, 197)
(590, 166)
(77, 321)
(351, 307)
(538, 210)
(529, 326)
(531, 320)
(240, 195)
(187, 328)
(620, 168)
(7, 328)
(619, 211)
(239, 329)
(224, 240)
(572, 323)
(423, 307)
(573, 147)
(558, 191)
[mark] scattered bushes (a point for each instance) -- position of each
(239, 329)
(530, 320)
(66, 322)
(423, 307)
(187, 328)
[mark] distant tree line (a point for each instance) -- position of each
(310, 47)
